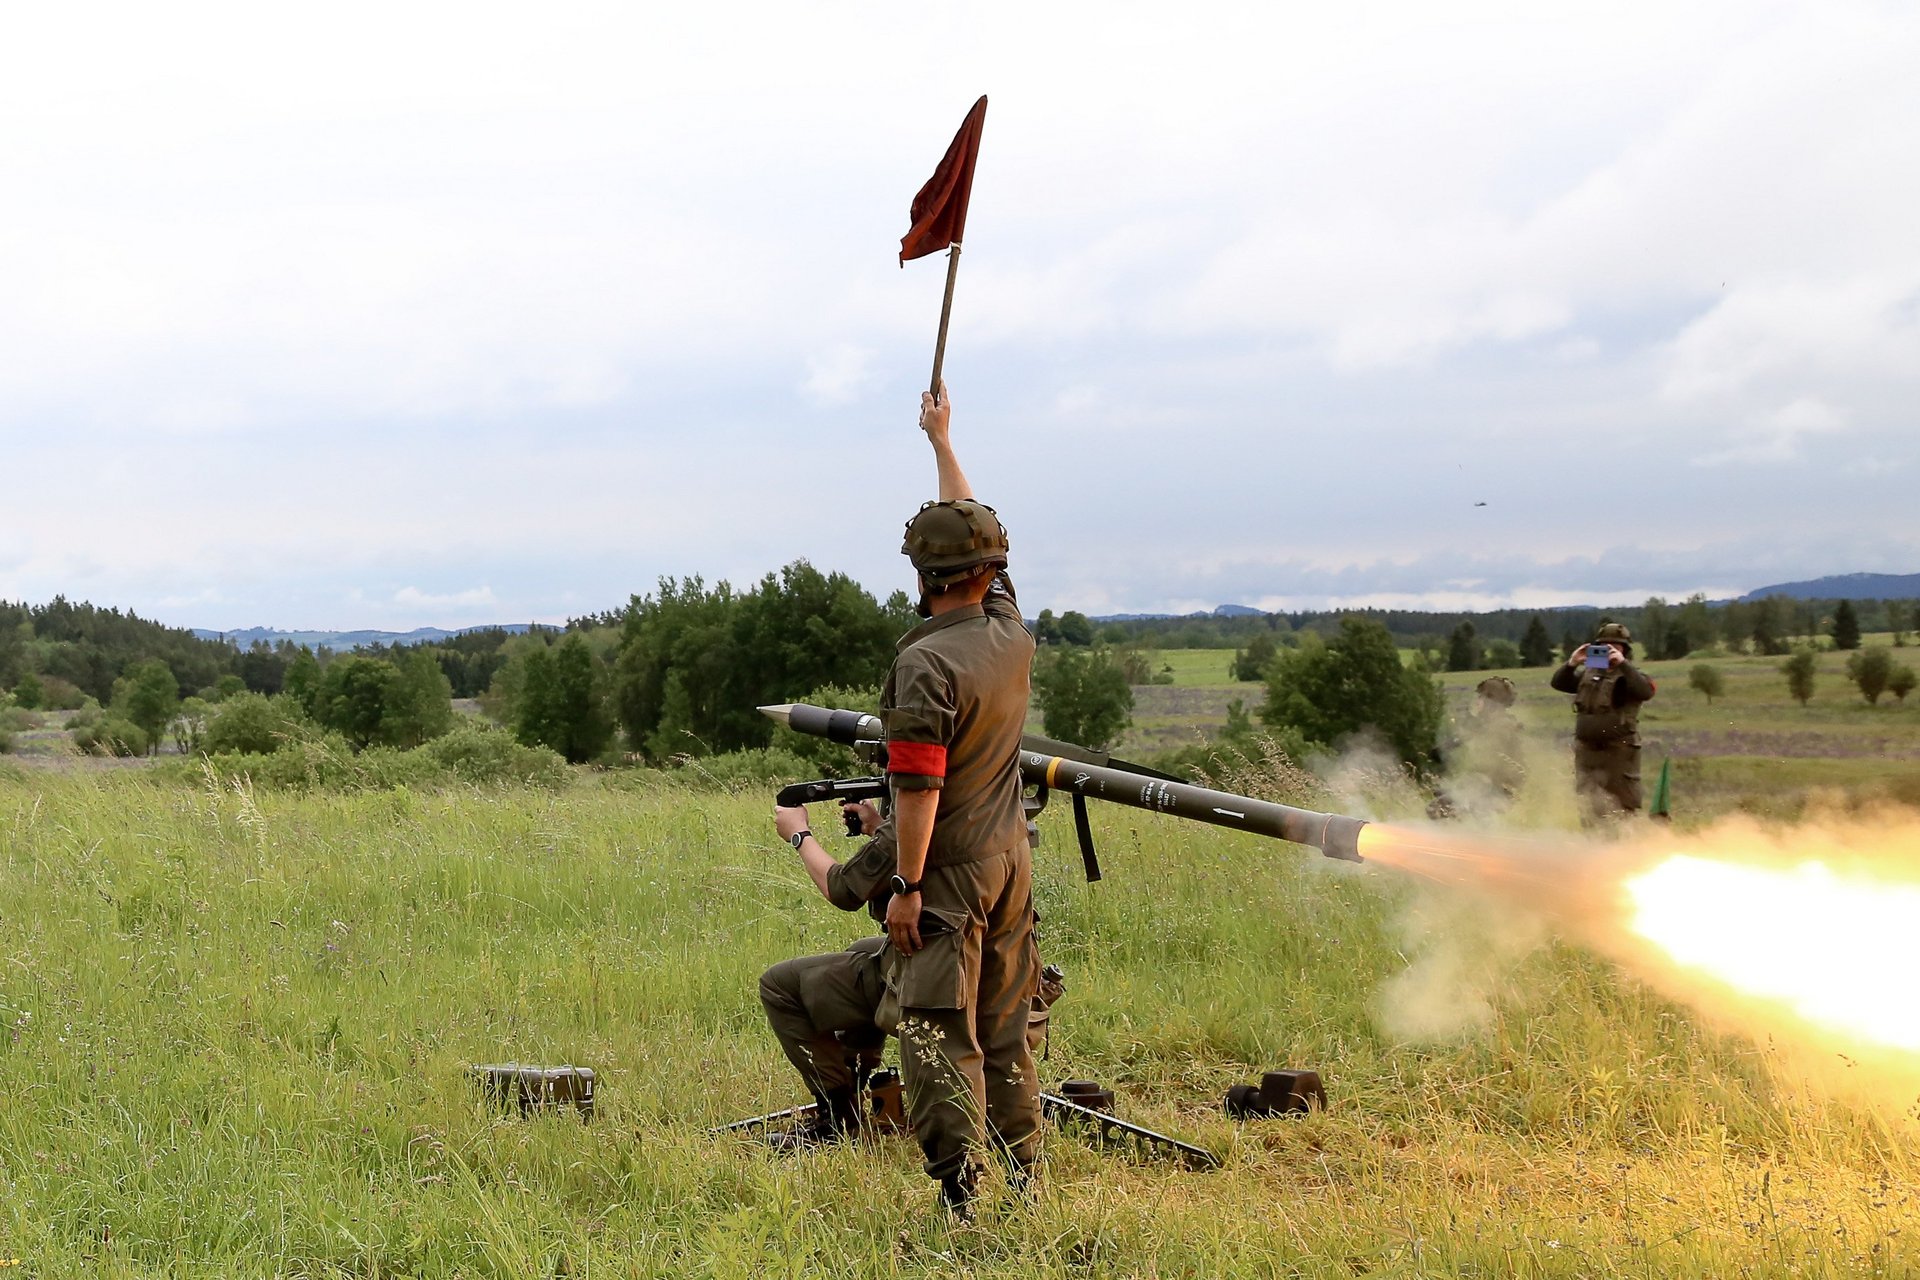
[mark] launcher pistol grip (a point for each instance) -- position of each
(837, 790)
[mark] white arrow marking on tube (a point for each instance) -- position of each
(1230, 813)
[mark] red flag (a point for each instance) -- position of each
(940, 210)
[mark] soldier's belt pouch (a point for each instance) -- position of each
(933, 977)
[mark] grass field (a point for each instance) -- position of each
(1754, 748)
(233, 1030)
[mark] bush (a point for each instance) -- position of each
(1706, 678)
(254, 724)
(470, 755)
(1799, 670)
(29, 691)
(60, 695)
(111, 736)
(1872, 670)
(1502, 655)
(1901, 682)
(1084, 694)
(1355, 681)
(474, 753)
(753, 769)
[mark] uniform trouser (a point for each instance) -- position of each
(1607, 778)
(811, 998)
(965, 999)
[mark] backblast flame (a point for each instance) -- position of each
(1843, 952)
(1808, 937)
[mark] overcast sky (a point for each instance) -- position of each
(388, 315)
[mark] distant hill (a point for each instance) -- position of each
(246, 636)
(1846, 586)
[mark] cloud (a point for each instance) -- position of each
(414, 598)
(1778, 437)
(838, 376)
(1258, 301)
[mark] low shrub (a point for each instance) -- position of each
(110, 736)
(754, 769)
(470, 755)
(475, 753)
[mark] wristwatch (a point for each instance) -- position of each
(797, 837)
(902, 888)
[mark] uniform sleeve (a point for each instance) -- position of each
(1565, 678)
(1635, 685)
(919, 723)
(857, 881)
(1000, 598)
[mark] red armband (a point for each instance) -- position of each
(926, 759)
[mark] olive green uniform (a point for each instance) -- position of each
(1606, 735)
(821, 1010)
(954, 705)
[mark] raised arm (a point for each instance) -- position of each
(934, 417)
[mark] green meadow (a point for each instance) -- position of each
(235, 1027)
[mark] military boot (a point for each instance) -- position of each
(957, 1193)
(835, 1117)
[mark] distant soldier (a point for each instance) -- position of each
(1483, 754)
(1607, 693)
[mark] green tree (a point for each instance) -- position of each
(1084, 695)
(1251, 663)
(28, 692)
(1656, 626)
(352, 698)
(1799, 670)
(1046, 628)
(1872, 671)
(1502, 655)
(1355, 681)
(302, 680)
(226, 686)
(146, 697)
(1463, 649)
(1075, 628)
(1706, 678)
(560, 703)
(189, 725)
(1536, 646)
(1769, 626)
(1846, 626)
(1694, 624)
(1900, 683)
(418, 701)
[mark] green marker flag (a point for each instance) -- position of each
(1662, 806)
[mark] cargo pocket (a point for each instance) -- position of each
(935, 976)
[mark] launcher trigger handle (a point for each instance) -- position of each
(851, 815)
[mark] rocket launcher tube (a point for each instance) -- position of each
(1333, 834)
(1063, 766)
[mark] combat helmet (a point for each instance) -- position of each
(1497, 689)
(1613, 633)
(949, 542)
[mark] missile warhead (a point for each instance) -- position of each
(781, 715)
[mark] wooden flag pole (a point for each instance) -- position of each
(946, 311)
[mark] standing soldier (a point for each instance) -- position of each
(961, 917)
(1607, 693)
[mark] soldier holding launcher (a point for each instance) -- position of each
(965, 963)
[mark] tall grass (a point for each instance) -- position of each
(234, 1027)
